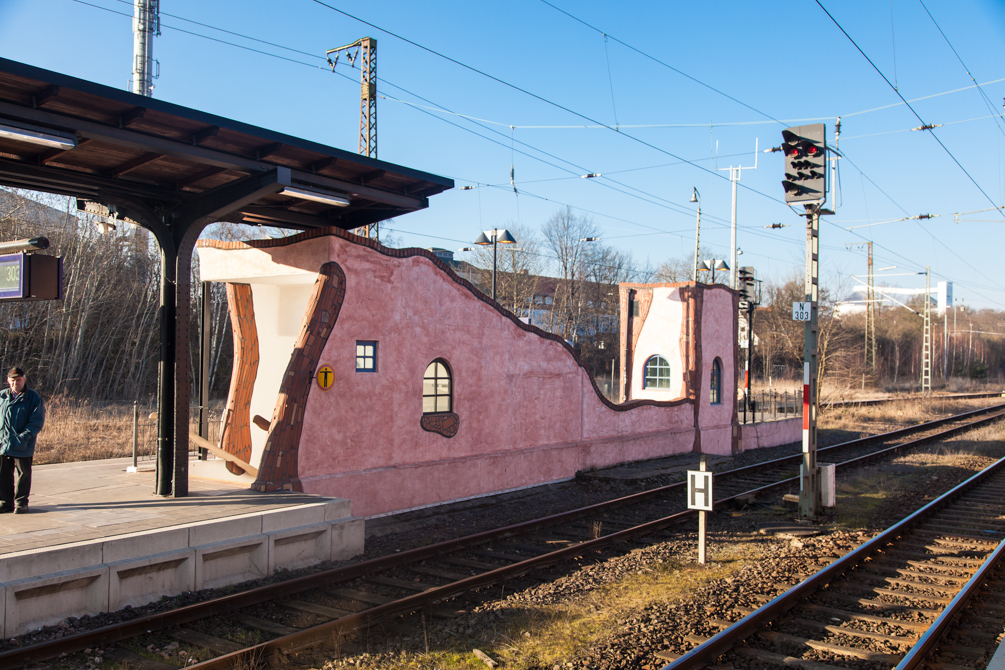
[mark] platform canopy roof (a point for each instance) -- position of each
(175, 170)
(69, 136)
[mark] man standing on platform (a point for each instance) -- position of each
(22, 416)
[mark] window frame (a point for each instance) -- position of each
(449, 395)
(657, 378)
(715, 382)
(372, 358)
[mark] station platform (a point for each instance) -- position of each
(97, 538)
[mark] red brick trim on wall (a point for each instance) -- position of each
(279, 466)
(738, 359)
(624, 327)
(236, 438)
(695, 301)
(408, 253)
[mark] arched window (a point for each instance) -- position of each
(716, 382)
(437, 388)
(657, 373)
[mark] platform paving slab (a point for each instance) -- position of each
(97, 539)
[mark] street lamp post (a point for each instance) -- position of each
(712, 264)
(495, 237)
(696, 197)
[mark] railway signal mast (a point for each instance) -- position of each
(364, 49)
(805, 182)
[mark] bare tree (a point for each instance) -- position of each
(679, 268)
(565, 235)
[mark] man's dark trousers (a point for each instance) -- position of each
(15, 480)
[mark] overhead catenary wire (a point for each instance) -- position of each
(984, 96)
(536, 96)
(717, 124)
(127, 2)
(295, 61)
(660, 62)
(904, 100)
(651, 199)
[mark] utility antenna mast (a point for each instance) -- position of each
(734, 176)
(367, 48)
(146, 25)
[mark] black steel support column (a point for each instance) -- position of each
(166, 372)
(177, 227)
(187, 222)
(205, 315)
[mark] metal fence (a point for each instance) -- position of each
(145, 432)
(770, 405)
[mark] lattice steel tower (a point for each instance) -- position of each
(870, 309)
(146, 25)
(364, 49)
(926, 352)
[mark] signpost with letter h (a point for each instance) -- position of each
(699, 497)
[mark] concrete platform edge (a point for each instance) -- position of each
(44, 586)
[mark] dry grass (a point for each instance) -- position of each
(862, 497)
(81, 431)
(535, 635)
(895, 414)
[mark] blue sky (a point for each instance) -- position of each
(686, 90)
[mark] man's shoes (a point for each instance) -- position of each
(6, 510)
(21, 510)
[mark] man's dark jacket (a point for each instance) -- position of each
(21, 419)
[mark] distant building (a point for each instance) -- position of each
(940, 295)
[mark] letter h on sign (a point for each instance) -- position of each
(699, 490)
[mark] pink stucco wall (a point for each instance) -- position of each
(772, 433)
(528, 412)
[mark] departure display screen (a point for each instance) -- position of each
(12, 276)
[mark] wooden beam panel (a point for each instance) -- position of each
(268, 150)
(137, 162)
(44, 96)
(47, 156)
(204, 134)
(197, 177)
(371, 176)
(134, 114)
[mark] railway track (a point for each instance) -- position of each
(880, 401)
(284, 618)
(899, 600)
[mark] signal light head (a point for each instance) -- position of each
(805, 163)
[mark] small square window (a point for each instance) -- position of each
(366, 356)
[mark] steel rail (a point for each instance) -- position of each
(707, 652)
(116, 632)
(926, 644)
(880, 401)
(282, 646)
